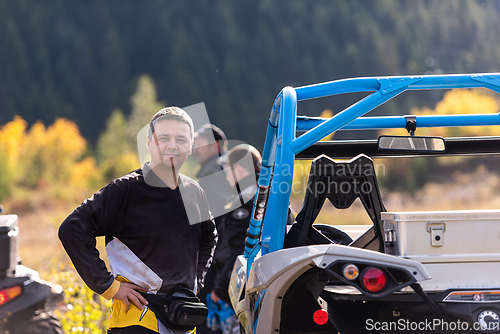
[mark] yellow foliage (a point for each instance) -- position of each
(44, 156)
(129, 162)
(85, 312)
(459, 101)
(466, 101)
(36, 137)
(120, 165)
(300, 178)
(64, 146)
(303, 167)
(411, 173)
(30, 170)
(85, 174)
(12, 138)
(327, 113)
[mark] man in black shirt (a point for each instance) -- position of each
(158, 228)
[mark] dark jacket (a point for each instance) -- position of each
(212, 179)
(234, 229)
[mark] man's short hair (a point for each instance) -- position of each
(210, 131)
(237, 153)
(171, 113)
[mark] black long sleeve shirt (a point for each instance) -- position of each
(149, 238)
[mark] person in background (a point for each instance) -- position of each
(242, 176)
(209, 145)
(158, 228)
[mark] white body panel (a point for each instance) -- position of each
(467, 255)
(268, 268)
(462, 275)
(276, 271)
(237, 284)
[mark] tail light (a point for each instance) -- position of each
(350, 271)
(9, 294)
(320, 317)
(374, 279)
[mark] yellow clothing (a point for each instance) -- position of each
(135, 317)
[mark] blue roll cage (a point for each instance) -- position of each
(266, 232)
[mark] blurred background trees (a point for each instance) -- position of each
(413, 173)
(58, 156)
(81, 60)
(39, 156)
(78, 79)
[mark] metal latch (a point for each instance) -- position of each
(437, 233)
(390, 234)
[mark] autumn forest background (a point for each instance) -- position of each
(78, 80)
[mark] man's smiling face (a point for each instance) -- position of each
(171, 142)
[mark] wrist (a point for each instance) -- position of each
(112, 290)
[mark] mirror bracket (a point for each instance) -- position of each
(411, 124)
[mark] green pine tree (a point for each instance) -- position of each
(144, 106)
(113, 141)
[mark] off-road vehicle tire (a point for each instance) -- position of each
(41, 322)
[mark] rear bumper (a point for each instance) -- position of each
(407, 312)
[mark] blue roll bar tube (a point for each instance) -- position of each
(265, 177)
(399, 122)
(271, 203)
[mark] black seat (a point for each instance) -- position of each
(341, 183)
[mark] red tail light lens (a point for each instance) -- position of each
(374, 279)
(320, 317)
(9, 294)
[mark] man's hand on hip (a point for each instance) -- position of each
(128, 293)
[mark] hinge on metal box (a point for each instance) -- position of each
(390, 234)
(437, 233)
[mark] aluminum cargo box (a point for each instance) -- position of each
(450, 235)
(459, 249)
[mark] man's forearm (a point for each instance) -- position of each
(80, 247)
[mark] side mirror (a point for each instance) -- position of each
(411, 143)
